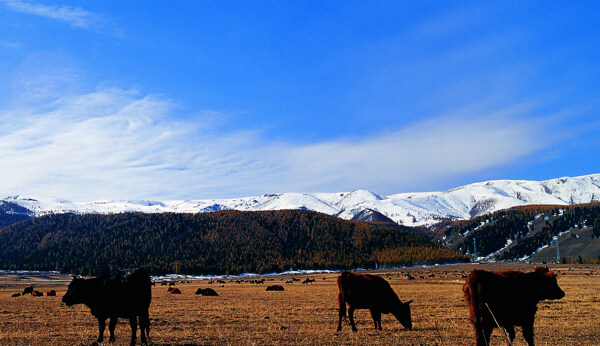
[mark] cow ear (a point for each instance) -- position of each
(408, 302)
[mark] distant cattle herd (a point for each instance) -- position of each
(499, 299)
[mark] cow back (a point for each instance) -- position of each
(365, 291)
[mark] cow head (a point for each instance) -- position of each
(402, 314)
(75, 293)
(547, 284)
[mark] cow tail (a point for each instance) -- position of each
(341, 299)
(473, 298)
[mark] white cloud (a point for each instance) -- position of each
(116, 144)
(74, 16)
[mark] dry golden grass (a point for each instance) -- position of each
(302, 314)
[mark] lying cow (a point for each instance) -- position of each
(275, 288)
(173, 290)
(207, 292)
(365, 291)
(508, 298)
(124, 294)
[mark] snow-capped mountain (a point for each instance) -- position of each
(410, 209)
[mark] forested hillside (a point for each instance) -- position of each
(519, 232)
(224, 242)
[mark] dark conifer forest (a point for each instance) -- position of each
(224, 242)
(527, 227)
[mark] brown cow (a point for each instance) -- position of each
(275, 288)
(365, 291)
(174, 290)
(508, 298)
(37, 294)
(51, 293)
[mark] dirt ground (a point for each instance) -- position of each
(306, 314)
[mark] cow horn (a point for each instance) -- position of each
(408, 302)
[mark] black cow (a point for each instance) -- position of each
(275, 288)
(365, 291)
(124, 294)
(508, 298)
(207, 292)
(28, 290)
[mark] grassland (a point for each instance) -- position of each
(246, 314)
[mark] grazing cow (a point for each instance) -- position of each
(37, 294)
(125, 294)
(507, 298)
(174, 290)
(275, 288)
(308, 281)
(365, 291)
(207, 292)
(51, 293)
(28, 290)
(163, 283)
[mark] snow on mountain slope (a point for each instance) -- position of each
(411, 209)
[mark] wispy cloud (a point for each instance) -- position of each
(74, 16)
(117, 144)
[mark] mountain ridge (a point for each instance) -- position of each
(409, 209)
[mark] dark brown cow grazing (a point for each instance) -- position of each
(125, 294)
(509, 297)
(364, 291)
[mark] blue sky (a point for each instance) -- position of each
(220, 99)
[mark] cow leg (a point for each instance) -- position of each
(511, 333)
(101, 327)
(111, 328)
(528, 332)
(342, 311)
(144, 327)
(376, 315)
(482, 334)
(351, 317)
(487, 334)
(133, 324)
